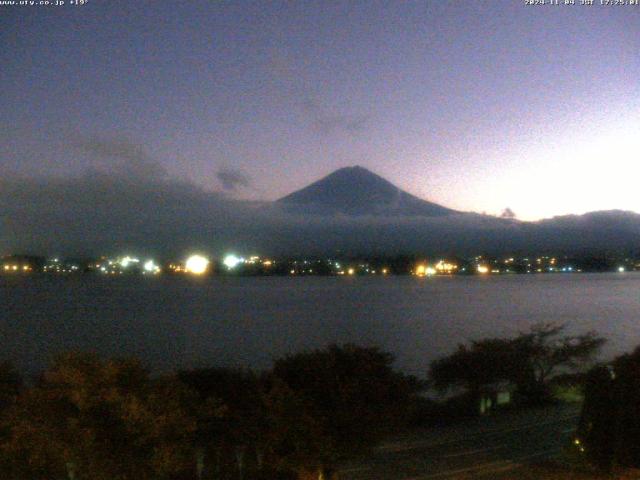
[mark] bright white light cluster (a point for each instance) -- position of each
(231, 261)
(197, 264)
(151, 267)
(126, 261)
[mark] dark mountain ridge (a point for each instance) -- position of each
(357, 191)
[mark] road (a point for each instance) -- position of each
(487, 445)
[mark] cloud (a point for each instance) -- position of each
(295, 85)
(232, 179)
(120, 157)
(108, 214)
(328, 123)
(124, 199)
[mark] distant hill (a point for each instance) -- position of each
(357, 191)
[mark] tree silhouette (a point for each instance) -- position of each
(328, 405)
(100, 420)
(527, 361)
(508, 213)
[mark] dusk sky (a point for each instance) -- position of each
(477, 106)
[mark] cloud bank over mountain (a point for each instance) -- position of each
(126, 201)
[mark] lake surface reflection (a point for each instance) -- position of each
(175, 322)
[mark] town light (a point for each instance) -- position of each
(197, 264)
(126, 261)
(424, 270)
(446, 267)
(151, 267)
(231, 261)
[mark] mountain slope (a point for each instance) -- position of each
(357, 191)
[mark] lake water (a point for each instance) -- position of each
(175, 322)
